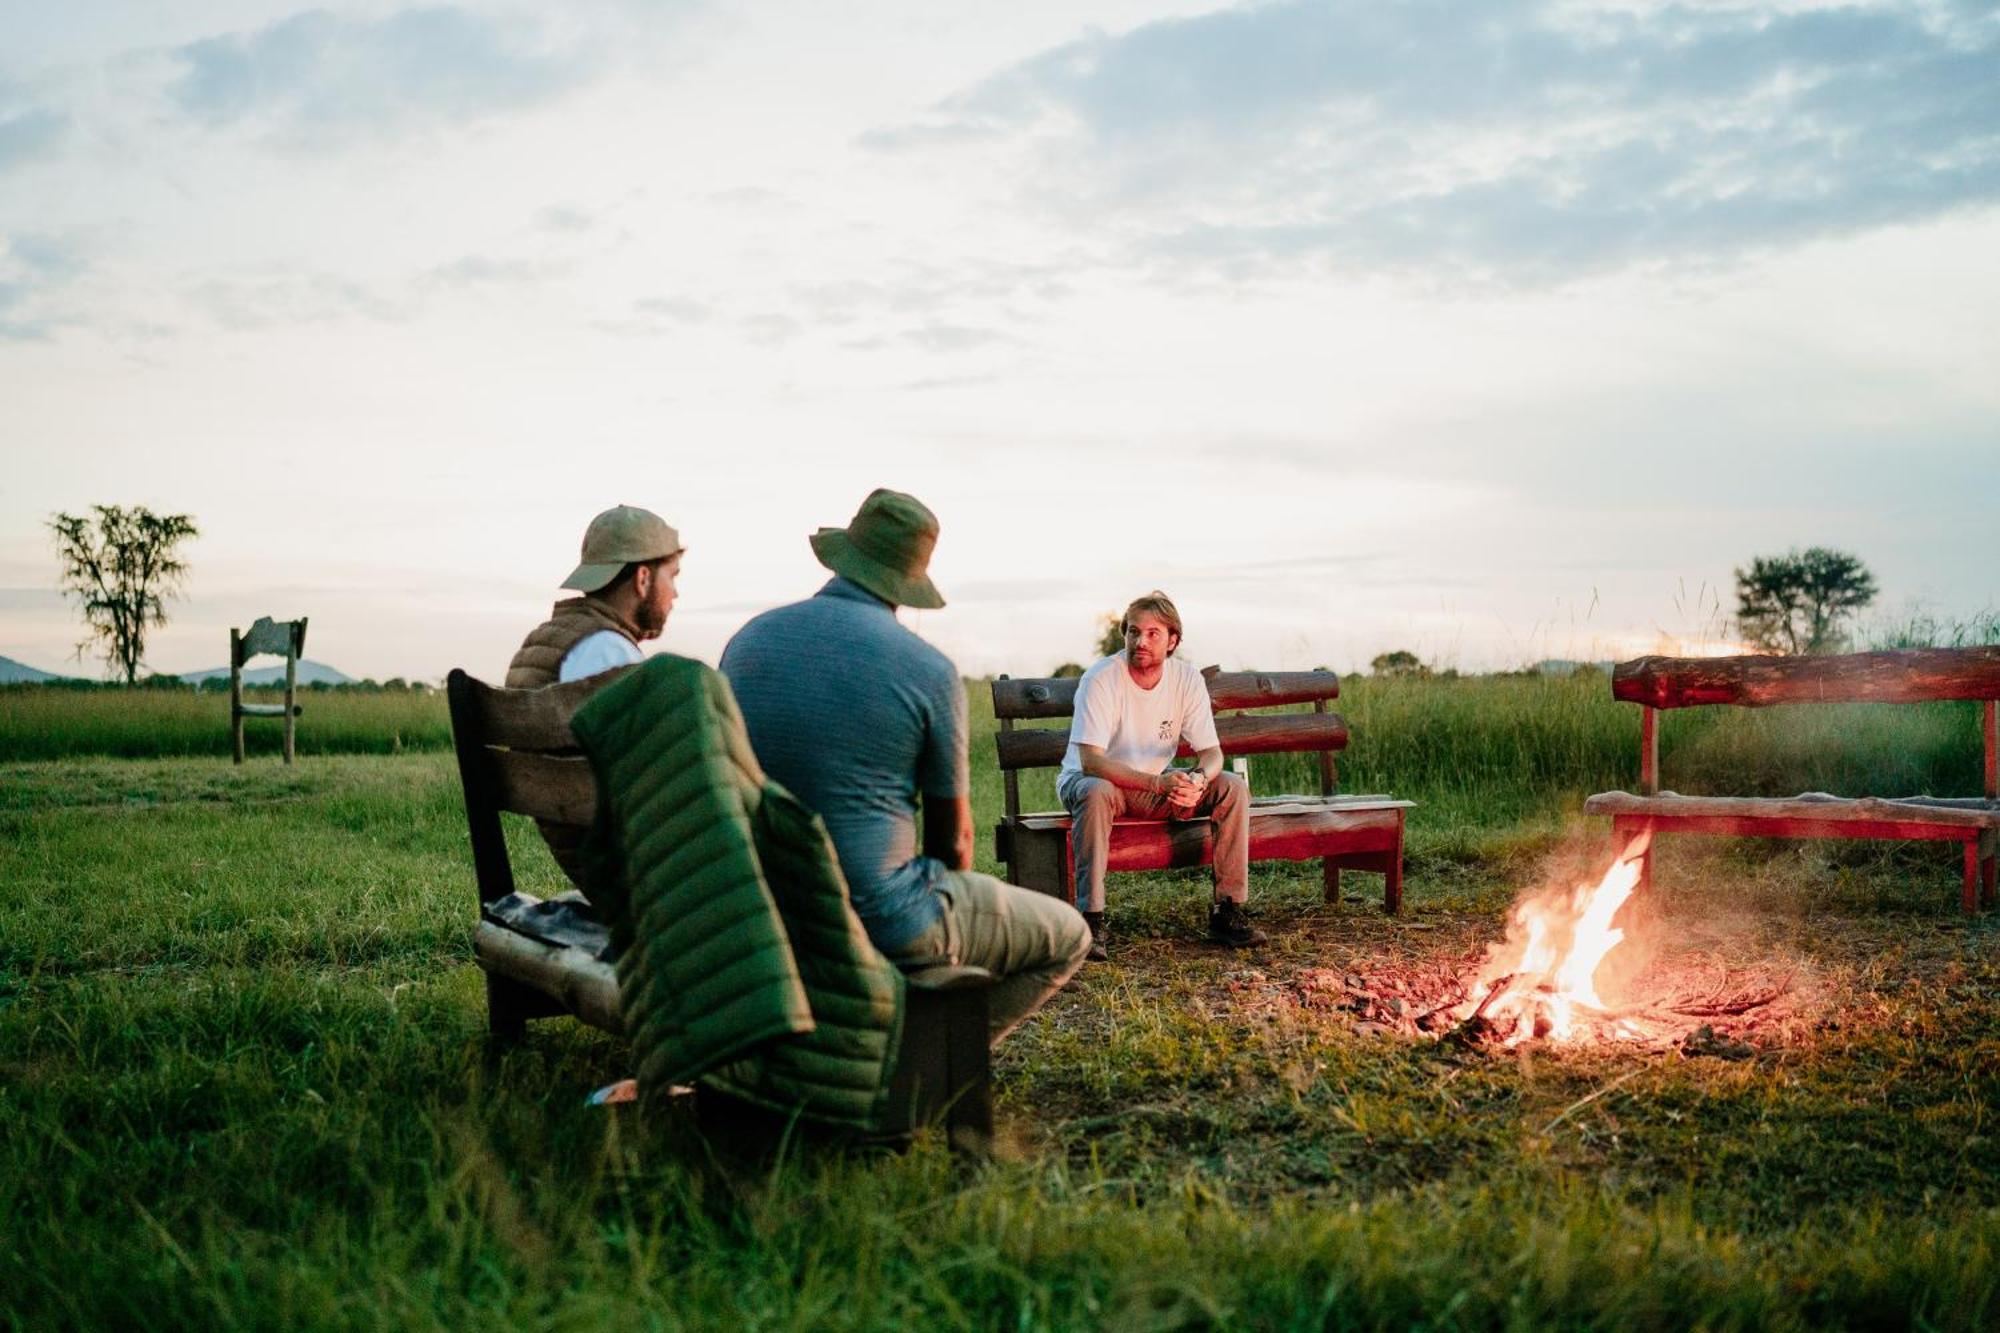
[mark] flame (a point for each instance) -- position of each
(1542, 982)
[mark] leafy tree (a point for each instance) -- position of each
(1110, 634)
(121, 567)
(1795, 603)
(1068, 669)
(1401, 662)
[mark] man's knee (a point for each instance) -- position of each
(1231, 790)
(1094, 796)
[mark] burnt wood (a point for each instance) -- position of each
(1268, 733)
(1912, 676)
(1055, 696)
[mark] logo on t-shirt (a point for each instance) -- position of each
(1166, 728)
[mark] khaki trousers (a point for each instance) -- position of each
(1030, 942)
(1095, 804)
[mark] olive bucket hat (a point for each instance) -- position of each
(886, 549)
(617, 538)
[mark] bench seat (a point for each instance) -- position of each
(1936, 811)
(1353, 832)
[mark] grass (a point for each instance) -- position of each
(243, 1082)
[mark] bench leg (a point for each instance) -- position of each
(1624, 828)
(1968, 896)
(1392, 873)
(1989, 861)
(509, 1006)
(1330, 873)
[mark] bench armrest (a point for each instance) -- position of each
(945, 977)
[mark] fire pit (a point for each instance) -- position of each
(1566, 974)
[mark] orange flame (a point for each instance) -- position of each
(1543, 979)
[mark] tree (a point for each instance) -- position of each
(1401, 662)
(1795, 603)
(1110, 634)
(122, 567)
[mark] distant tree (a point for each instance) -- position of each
(121, 566)
(1795, 603)
(1068, 669)
(1401, 662)
(1110, 634)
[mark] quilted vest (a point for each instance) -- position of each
(538, 661)
(740, 961)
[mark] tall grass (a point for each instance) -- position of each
(37, 722)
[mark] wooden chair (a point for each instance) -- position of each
(281, 638)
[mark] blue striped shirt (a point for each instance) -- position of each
(855, 715)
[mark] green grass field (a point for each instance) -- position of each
(243, 1081)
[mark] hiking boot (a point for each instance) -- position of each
(1229, 924)
(1099, 937)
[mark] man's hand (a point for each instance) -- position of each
(1184, 789)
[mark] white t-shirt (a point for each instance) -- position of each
(1141, 728)
(605, 649)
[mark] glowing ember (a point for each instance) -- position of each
(1542, 982)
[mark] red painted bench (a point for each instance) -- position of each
(1916, 676)
(1341, 832)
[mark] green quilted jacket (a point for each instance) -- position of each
(740, 961)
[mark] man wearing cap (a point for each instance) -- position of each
(631, 559)
(860, 718)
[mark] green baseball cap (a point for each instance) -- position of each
(886, 549)
(619, 537)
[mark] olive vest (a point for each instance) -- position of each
(538, 662)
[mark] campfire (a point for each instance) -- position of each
(1542, 981)
(1568, 972)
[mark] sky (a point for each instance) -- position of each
(1491, 331)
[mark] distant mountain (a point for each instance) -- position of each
(20, 673)
(310, 672)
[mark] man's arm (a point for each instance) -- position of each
(948, 830)
(1097, 764)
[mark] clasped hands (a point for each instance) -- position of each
(1184, 789)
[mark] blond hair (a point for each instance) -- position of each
(1155, 603)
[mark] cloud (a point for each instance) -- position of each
(470, 271)
(317, 75)
(1527, 140)
(253, 301)
(25, 135)
(35, 267)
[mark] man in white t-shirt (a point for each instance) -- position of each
(1134, 710)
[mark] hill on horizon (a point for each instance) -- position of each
(20, 673)
(310, 673)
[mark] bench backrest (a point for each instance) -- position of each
(1918, 675)
(1228, 692)
(516, 753)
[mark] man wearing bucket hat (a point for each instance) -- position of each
(862, 720)
(631, 560)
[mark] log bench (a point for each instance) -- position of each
(548, 958)
(1340, 832)
(1915, 676)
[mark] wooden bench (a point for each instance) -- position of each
(1917, 676)
(1341, 832)
(549, 958)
